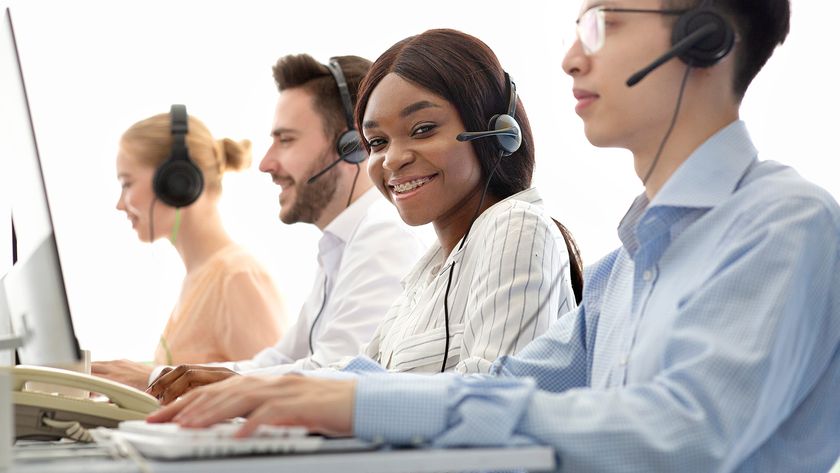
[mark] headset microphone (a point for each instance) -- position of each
(474, 135)
(508, 140)
(701, 38)
(349, 143)
(323, 171)
(503, 126)
(685, 44)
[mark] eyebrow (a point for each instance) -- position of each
(408, 110)
(281, 130)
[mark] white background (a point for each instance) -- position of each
(94, 67)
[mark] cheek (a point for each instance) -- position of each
(461, 166)
(137, 201)
(376, 174)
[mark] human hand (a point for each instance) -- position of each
(320, 405)
(172, 383)
(127, 372)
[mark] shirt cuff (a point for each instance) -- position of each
(155, 373)
(400, 408)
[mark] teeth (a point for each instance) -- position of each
(411, 185)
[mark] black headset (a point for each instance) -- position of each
(348, 146)
(349, 149)
(178, 181)
(701, 38)
(502, 125)
(508, 134)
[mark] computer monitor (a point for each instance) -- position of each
(35, 297)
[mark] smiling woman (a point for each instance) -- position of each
(512, 275)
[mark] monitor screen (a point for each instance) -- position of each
(35, 297)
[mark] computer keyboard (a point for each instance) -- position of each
(218, 431)
(170, 441)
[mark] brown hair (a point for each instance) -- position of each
(302, 70)
(465, 72)
(150, 141)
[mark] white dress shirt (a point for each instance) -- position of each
(510, 282)
(362, 257)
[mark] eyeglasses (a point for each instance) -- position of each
(591, 26)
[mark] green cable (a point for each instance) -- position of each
(165, 347)
(176, 227)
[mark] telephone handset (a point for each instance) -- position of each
(48, 416)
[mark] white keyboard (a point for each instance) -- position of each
(218, 431)
(171, 441)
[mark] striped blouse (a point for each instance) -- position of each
(511, 279)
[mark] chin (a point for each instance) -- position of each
(412, 218)
(600, 137)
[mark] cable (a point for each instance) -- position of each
(72, 429)
(353, 187)
(670, 128)
(125, 449)
(317, 316)
(152, 220)
(174, 235)
(452, 267)
(324, 300)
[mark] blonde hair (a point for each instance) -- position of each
(150, 142)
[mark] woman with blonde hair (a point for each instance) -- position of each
(170, 169)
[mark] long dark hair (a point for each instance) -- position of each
(465, 72)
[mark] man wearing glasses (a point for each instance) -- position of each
(709, 341)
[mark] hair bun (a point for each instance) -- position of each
(236, 155)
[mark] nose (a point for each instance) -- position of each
(576, 62)
(397, 157)
(121, 202)
(270, 161)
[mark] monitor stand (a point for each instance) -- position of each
(8, 345)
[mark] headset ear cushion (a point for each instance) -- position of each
(178, 183)
(714, 47)
(349, 147)
(508, 143)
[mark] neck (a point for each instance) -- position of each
(200, 237)
(691, 130)
(338, 204)
(452, 226)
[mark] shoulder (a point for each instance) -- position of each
(772, 191)
(596, 278)
(382, 229)
(237, 265)
(524, 210)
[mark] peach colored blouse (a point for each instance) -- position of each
(228, 310)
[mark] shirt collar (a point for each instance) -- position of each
(712, 172)
(530, 196)
(709, 175)
(343, 225)
(340, 230)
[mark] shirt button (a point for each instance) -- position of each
(647, 275)
(623, 361)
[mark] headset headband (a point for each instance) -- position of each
(343, 91)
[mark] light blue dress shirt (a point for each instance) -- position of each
(707, 342)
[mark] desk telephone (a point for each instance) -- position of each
(50, 416)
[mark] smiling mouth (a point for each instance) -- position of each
(410, 185)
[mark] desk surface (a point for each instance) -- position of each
(98, 459)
